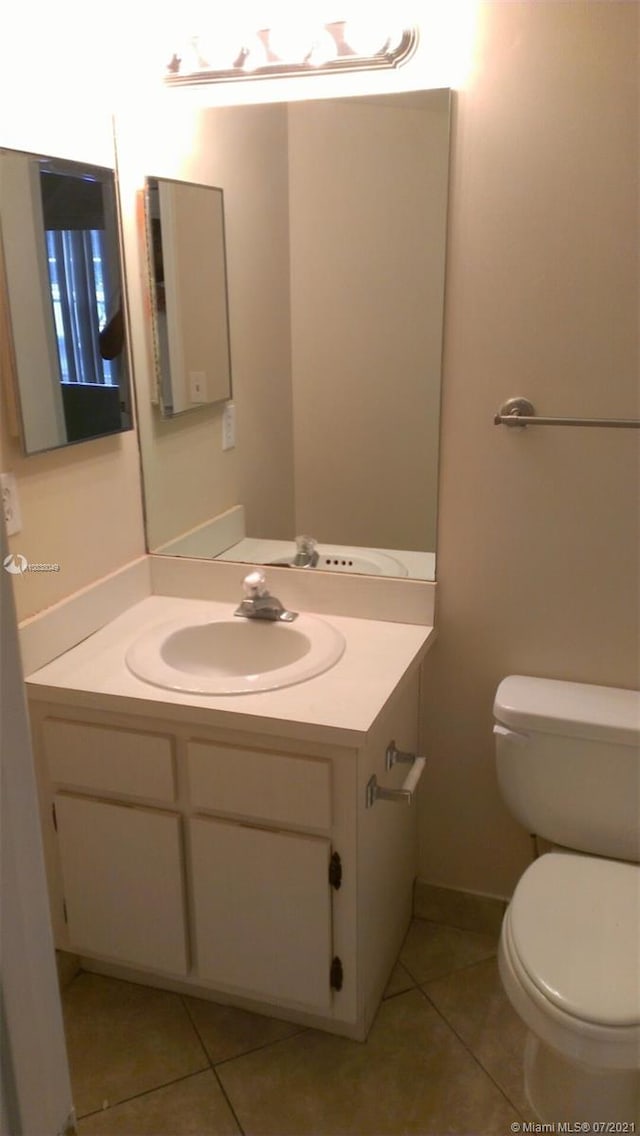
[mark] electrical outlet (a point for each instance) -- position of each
(10, 503)
(197, 386)
(229, 426)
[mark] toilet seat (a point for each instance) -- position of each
(570, 957)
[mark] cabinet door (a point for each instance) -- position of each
(122, 871)
(262, 911)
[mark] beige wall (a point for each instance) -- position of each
(538, 532)
(81, 506)
(188, 477)
(368, 225)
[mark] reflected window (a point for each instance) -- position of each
(77, 279)
(65, 299)
(86, 305)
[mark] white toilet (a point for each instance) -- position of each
(568, 762)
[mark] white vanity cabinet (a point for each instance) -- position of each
(235, 864)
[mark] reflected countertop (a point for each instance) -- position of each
(384, 562)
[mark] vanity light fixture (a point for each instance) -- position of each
(312, 48)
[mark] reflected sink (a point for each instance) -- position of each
(368, 563)
(234, 656)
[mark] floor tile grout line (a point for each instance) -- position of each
(492, 934)
(265, 1045)
(218, 1081)
(162, 1084)
(144, 1093)
(228, 1100)
(470, 1051)
(194, 1026)
(214, 1065)
(489, 933)
(397, 993)
(245, 1052)
(448, 973)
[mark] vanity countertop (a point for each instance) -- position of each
(339, 706)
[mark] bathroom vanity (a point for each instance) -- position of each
(232, 847)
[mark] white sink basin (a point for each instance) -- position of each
(234, 656)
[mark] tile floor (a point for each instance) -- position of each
(444, 1056)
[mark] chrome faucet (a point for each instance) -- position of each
(306, 553)
(258, 603)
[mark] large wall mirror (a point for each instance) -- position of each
(335, 216)
(188, 278)
(62, 300)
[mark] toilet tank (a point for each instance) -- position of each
(568, 762)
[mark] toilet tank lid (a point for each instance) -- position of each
(569, 708)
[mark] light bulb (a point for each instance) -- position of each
(325, 50)
(254, 54)
(186, 57)
(293, 42)
(367, 35)
(219, 47)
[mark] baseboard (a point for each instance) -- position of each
(464, 909)
(68, 967)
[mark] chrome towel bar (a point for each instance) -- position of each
(520, 412)
(405, 795)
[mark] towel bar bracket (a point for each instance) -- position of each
(514, 408)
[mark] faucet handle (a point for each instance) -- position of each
(306, 555)
(305, 544)
(254, 585)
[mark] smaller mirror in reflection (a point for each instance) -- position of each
(63, 300)
(186, 252)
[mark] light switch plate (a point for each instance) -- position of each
(229, 426)
(197, 386)
(10, 503)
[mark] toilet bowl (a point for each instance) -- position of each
(568, 759)
(569, 960)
